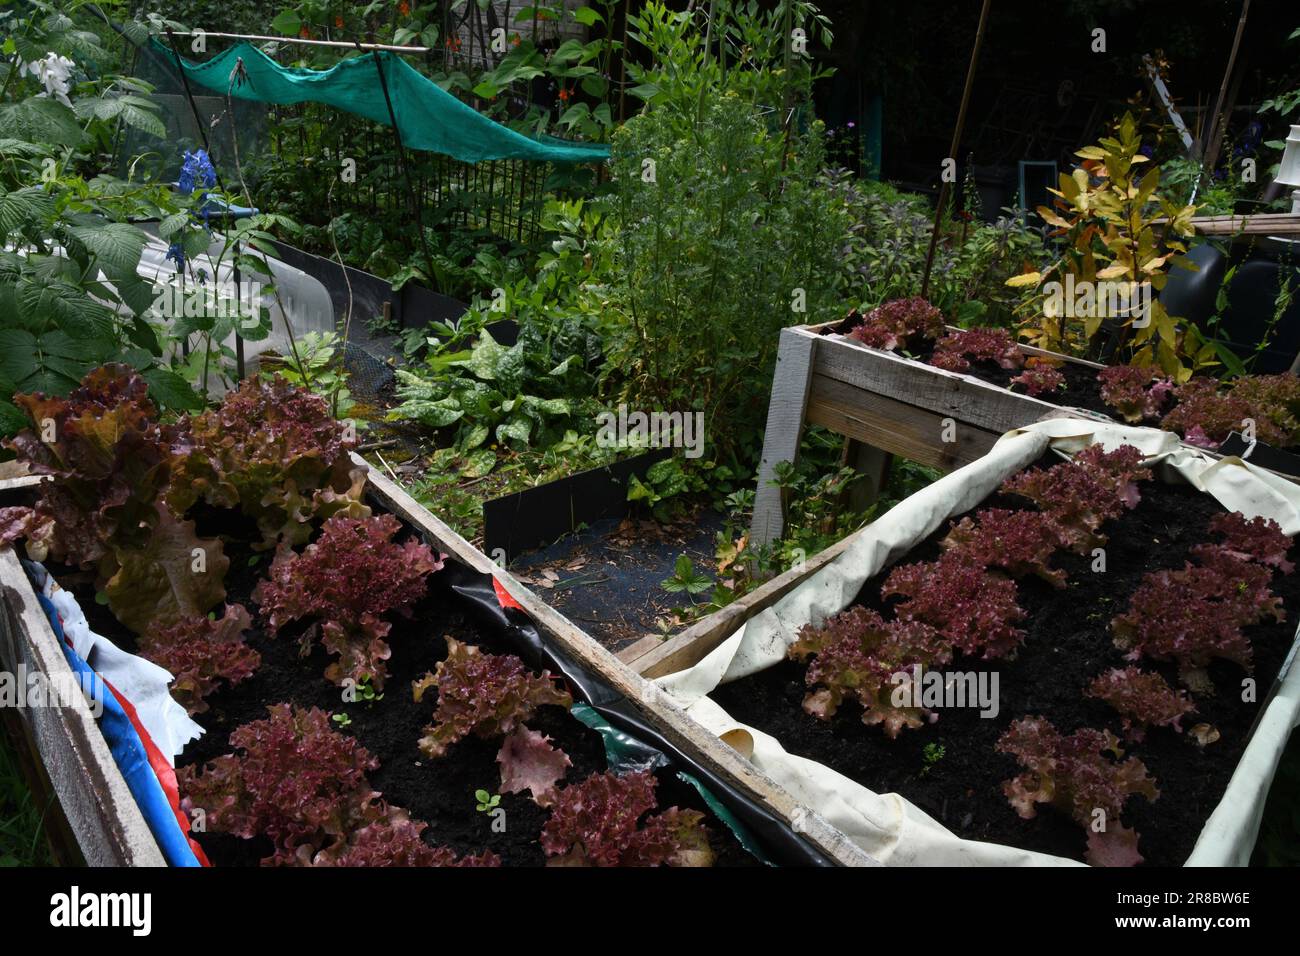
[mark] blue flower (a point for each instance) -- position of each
(176, 254)
(196, 170)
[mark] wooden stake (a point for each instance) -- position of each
(956, 145)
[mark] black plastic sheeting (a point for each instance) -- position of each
(785, 846)
(541, 515)
(1265, 456)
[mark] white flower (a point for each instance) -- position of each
(55, 72)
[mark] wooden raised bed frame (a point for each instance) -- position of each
(886, 404)
(106, 822)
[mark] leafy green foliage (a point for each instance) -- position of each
(1106, 212)
(22, 837)
(318, 366)
(70, 298)
(686, 579)
(516, 396)
(725, 241)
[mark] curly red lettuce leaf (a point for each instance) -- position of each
(301, 783)
(488, 695)
(202, 655)
(293, 779)
(858, 655)
(109, 459)
(1020, 542)
(274, 452)
(971, 607)
(529, 762)
(957, 350)
(345, 581)
(395, 841)
(1142, 698)
(1258, 539)
(1136, 393)
(595, 823)
(1074, 775)
(899, 324)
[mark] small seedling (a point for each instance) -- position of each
(686, 578)
(487, 802)
(366, 692)
(342, 720)
(930, 756)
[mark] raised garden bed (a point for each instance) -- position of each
(885, 402)
(934, 794)
(470, 600)
(892, 404)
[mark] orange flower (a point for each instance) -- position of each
(305, 32)
(338, 21)
(564, 95)
(516, 39)
(404, 8)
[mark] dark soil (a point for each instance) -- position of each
(609, 577)
(1067, 644)
(439, 792)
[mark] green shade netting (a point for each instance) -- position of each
(428, 117)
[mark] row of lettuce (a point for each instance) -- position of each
(123, 502)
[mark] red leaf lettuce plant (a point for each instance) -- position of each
(201, 653)
(1039, 380)
(1136, 393)
(971, 608)
(346, 580)
(1073, 774)
(957, 350)
(1081, 494)
(1143, 699)
(274, 452)
(1195, 615)
(857, 654)
(106, 507)
(303, 785)
(595, 823)
(491, 696)
(899, 324)
(1205, 415)
(1020, 542)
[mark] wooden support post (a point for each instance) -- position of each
(785, 414)
(873, 464)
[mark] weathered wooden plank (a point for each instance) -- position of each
(679, 729)
(109, 827)
(872, 464)
(18, 482)
(785, 415)
(1257, 224)
(895, 426)
(962, 397)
